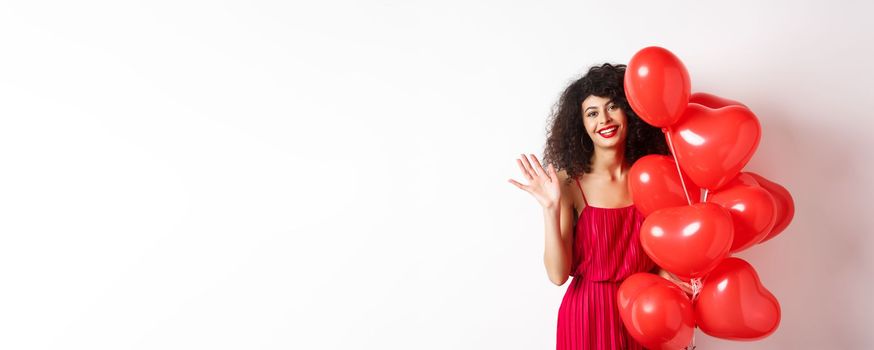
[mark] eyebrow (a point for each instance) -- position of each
(590, 107)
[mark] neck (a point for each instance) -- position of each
(609, 162)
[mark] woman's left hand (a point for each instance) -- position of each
(685, 286)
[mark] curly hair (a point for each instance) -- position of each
(568, 146)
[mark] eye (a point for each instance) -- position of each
(592, 114)
(614, 107)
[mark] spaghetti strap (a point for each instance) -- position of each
(581, 192)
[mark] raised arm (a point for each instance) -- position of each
(558, 215)
(558, 251)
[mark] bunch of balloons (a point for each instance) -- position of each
(700, 208)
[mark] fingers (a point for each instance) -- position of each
(528, 166)
(552, 174)
(539, 167)
(530, 171)
(525, 172)
(687, 287)
(521, 186)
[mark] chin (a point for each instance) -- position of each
(611, 144)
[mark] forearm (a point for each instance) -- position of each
(557, 254)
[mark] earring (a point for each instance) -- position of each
(583, 143)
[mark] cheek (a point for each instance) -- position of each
(588, 124)
(621, 117)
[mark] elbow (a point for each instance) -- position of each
(558, 275)
(559, 280)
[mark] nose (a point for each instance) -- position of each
(606, 119)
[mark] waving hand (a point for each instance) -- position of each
(542, 184)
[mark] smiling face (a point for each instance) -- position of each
(605, 122)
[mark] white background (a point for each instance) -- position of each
(267, 175)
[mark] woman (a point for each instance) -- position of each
(592, 226)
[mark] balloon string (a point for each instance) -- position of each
(667, 132)
(696, 289)
(692, 347)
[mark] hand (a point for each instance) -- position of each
(543, 184)
(685, 286)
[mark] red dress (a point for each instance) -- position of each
(606, 250)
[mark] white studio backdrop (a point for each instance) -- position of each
(332, 175)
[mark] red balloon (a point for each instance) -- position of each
(713, 145)
(631, 287)
(657, 86)
(688, 241)
(713, 101)
(733, 304)
(785, 205)
(752, 210)
(659, 314)
(656, 185)
(744, 178)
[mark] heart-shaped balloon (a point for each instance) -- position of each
(733, 304)
(688, 241)
(655, 184)
(657, 313)
(744, 178)
(657, 86)
(713, 101)
(713, 145)
(784, 204)
(752, 211)
(631, 287)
